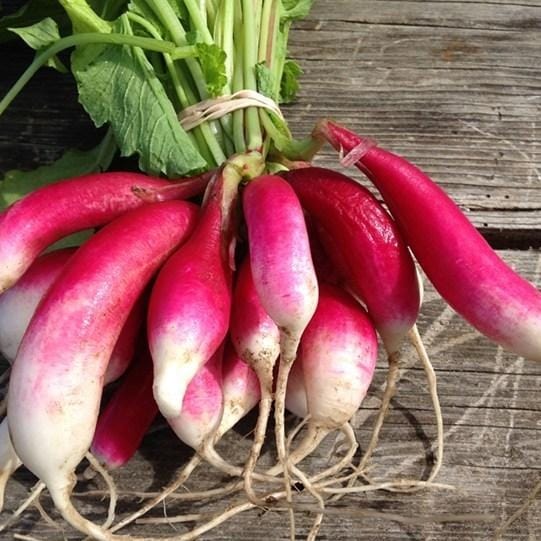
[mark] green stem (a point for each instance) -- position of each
(168, 18)
(76, 40)
(253, 128)
(238, 83)
(198, 21)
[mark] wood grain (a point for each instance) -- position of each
(455, 87)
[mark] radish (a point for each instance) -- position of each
(240, 393)
(336, 363)
(57, 377)
(257, 340)
(124, 350)
(56, 210)
(190, 302)
(463, 267)
(127, 415)
(17, 305)
(284, 279)
(366, 247)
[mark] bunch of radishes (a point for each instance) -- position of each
(288, 317)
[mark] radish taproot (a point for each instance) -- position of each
(50, 213)
(190, 303)
(456, 258)
(57, 377)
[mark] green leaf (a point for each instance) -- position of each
(289, 85)
(16, 184)
(265, 80)
(119, 86)
(31, 13)
(212, 62)
(295, 9)
(41, 35)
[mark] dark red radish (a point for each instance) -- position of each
(190, 303)
(460, 263)
(50, 213)
(363, 242)
(128, 414)
(57, 377)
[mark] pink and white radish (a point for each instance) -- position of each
(463, 267)
(18, 304)
(284, 278)
(57, 377)
(59, 209)
(188, 316)
(9, 461)
(128, 414)
(257, 341)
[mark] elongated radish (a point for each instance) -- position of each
(257, 340)
(365, 245)
(463, 267)
(18, 304)
(57, 377)
(190, 303)
(127, 415)
(284, 279)
(56, 210)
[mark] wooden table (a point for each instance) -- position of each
(456, 88)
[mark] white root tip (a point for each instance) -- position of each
(169, 391)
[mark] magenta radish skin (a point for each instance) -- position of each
(280, 257)
(364, 243)
(18, 304)
(57, 377)
(241, 391)
(463, 267)
(59, 209)
(190, 303)
(127, 415)
(253, 332)
(202, 405)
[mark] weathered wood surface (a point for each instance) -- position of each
(456, 87)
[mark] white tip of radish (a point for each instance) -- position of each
(170, 383)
